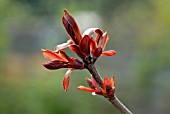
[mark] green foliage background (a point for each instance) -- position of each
(139, 32)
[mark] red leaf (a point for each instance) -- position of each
(106, 81)
(95, 83)
(91, 31)
(106, 84)
(56, 64)
(87, 89)
(66, 79)
(76, 64)
(99, 35)
(51, 55)
(112, 81)
(103, 40)
(74, 48)
(63, 46)
(64, 55)
(69, 30)
(97, 52)
(70, 19)
(109, 53)
(93, 45)
(85, 45)
(89, 82)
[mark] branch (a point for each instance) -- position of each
(122, 108)
(92, 69)
(115, 101)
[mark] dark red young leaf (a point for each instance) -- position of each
(76, 49)
(56, 64)
(97, 52)
(95, 83)
(93, 45)
(85, 45)
(99, 35)
(69, 30)
(89, 82)
(94, 87)
(76, 64)
(73, 25)
(103, 40)
(99, 31)
(91, 31)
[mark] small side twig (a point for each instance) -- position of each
(115, 101)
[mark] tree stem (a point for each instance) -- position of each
(119, 105)
(92, 69)
(115, 101)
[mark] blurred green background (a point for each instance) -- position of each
(139, 32)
